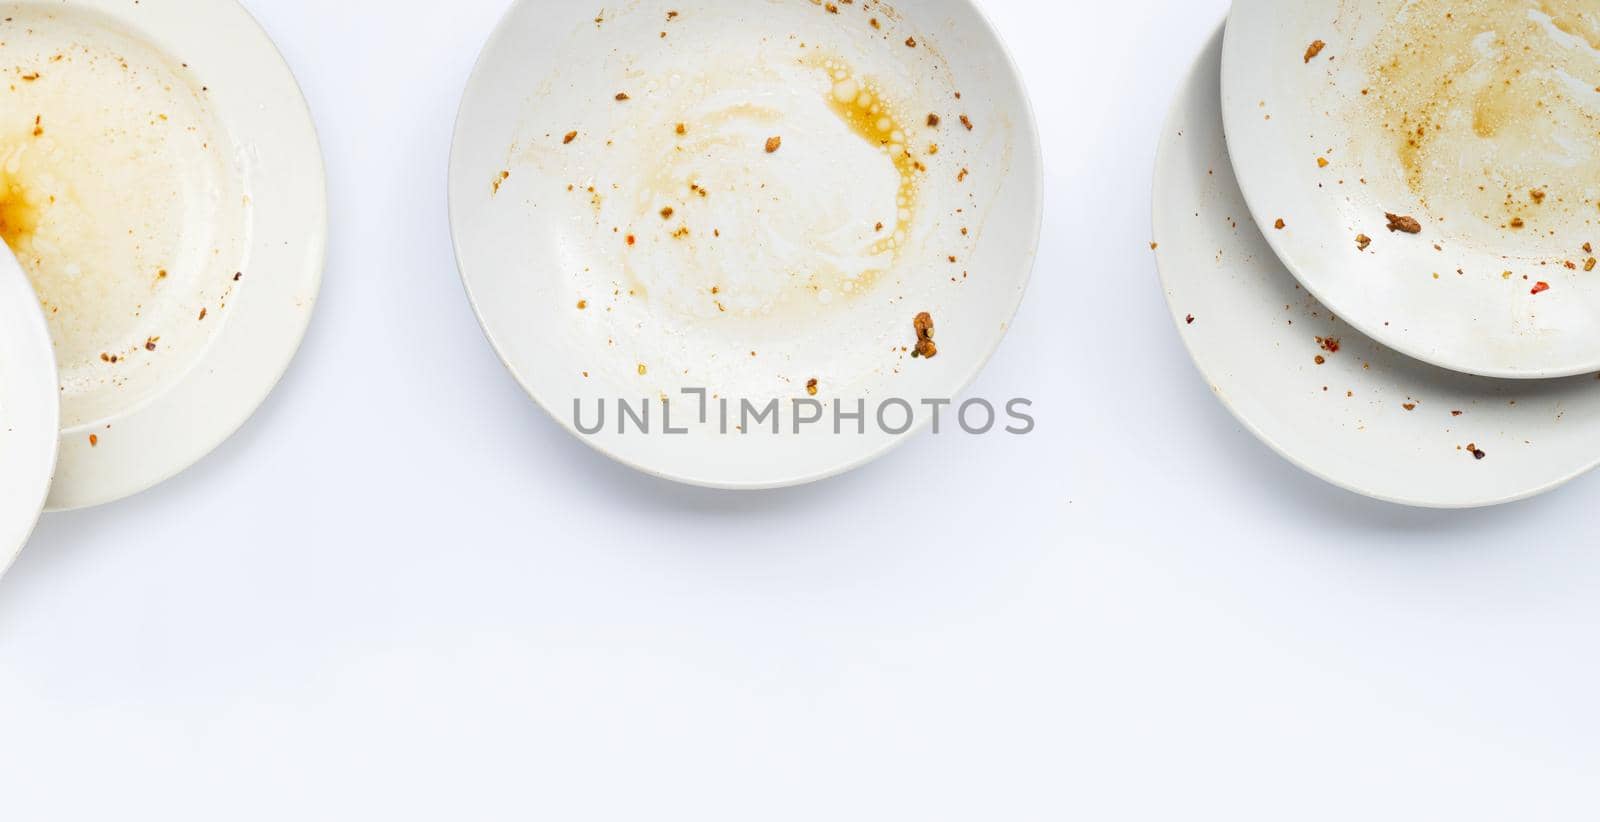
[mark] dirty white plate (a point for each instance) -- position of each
(1316, 390)
(29, 419)
(671, 197)
(1477, 118)
(162, 186)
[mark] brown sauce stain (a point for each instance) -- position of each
(1485, 101)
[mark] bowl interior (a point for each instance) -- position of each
(750, 203)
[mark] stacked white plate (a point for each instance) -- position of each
(162, 197)
(1375, 222)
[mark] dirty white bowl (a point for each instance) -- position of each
(1466, 115)
(611, 255)
(162, 185)
(29, 410)
(1365, 418)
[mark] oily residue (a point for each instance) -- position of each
(865, 109)
(19, 213)
(1493, 105)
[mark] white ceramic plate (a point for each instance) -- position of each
(160, 181)
(1477, 118)
(611, 254)
(1367, 419)
(29, 410)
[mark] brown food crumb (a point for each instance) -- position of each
(682, 129)
(583, 304)
(571, 135)
(1280, 224)
(773, 144)
(1517, 222)
(923, 323)
(966, 121)
(1321, 360)
(202, 313)
(1189, 320)
(911, 42)
(1540, 287)
(1537, 195)
(811, 387)
(150, 344)
(1329, 344)
(1408, 225)
(933, 120)
(1477, 453)
(666, 213)
(1363, 241)
(1589, 264)
(94, 440)
(622, 96)
(1410, 406)
(1314, 49)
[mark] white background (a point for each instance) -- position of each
(401, 593)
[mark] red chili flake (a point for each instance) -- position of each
(1189, 319)
(1541, 287)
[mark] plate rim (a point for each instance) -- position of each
(35, 334)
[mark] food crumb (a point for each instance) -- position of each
(911, 42)
(1409, 225)
(571, 135)
(1280, 224)
(966, 121)
(94, 440)
(1314, 49)
(622, 96)
(923, 324)
(933, 120)
(773, 144)
(1363, 241)
(150, 343)
(1329, 344)
(1189, 320)
(1476, 452)
(811, 387)
(1540, 287)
